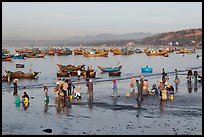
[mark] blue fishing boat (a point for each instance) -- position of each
(146, 70)
(17, 56)
(110, 69)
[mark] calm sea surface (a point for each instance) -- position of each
(86, 119)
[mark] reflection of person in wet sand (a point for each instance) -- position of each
(162, 106)
(45, 106)
(59, 104)
(189, 84)
(139, 106)
(195, 86)
(90, 102)
(115, 100)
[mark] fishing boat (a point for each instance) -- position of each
(116, 73)
(22, 75)
(184, 50)
(78, 52)
(63, 74)
(20, 65)
(36, 56)
(119, 52)
(102, 54)
(7, 59)
(18, 56)
(157, 53)
(70, 67)
(146, 70)
(109, 69)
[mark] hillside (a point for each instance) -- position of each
(187, 37)
(105, 37)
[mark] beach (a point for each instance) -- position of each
(105, 115)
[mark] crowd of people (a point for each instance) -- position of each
(66, 90)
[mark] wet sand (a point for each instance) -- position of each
(105, 114)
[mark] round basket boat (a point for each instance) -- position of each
(20, 65)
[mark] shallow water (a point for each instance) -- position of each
(105, 114)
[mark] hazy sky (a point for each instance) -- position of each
(61, 20)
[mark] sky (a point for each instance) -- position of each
(61, 20)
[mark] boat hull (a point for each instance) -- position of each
(109, 69)
(117, 73)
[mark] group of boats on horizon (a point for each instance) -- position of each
(91, 52)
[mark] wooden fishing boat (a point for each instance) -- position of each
(117, 73)
(110, 69)
(22, 75)
(119, 52)
(17, 56)
(36, 56)
(102, 54)
(63, 74)
(78, 52)
(52, 53)
(64, 53)
(20, 65)
(146, 70)
(161, 53)
(70, 67)
(187, 51)
(7, 59)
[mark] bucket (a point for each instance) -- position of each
(171, 97)
(70, 97)
(18, 100)
(127, 94)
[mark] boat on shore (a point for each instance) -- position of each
(22, 75)
(18, 57)
(116, 73)
(110, 69)
(146, 70)
(20, 65)
(70, 67)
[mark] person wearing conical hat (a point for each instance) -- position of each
(15, 82)
(115, 88)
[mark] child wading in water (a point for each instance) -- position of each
(115, 89)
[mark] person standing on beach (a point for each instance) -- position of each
(15, 82)
(70, 85)
(87, 73)
(164, 74)
(65, 88)
(176, 80)
(78, 73)
(115, 88)
(133, 83)
(46, 93)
